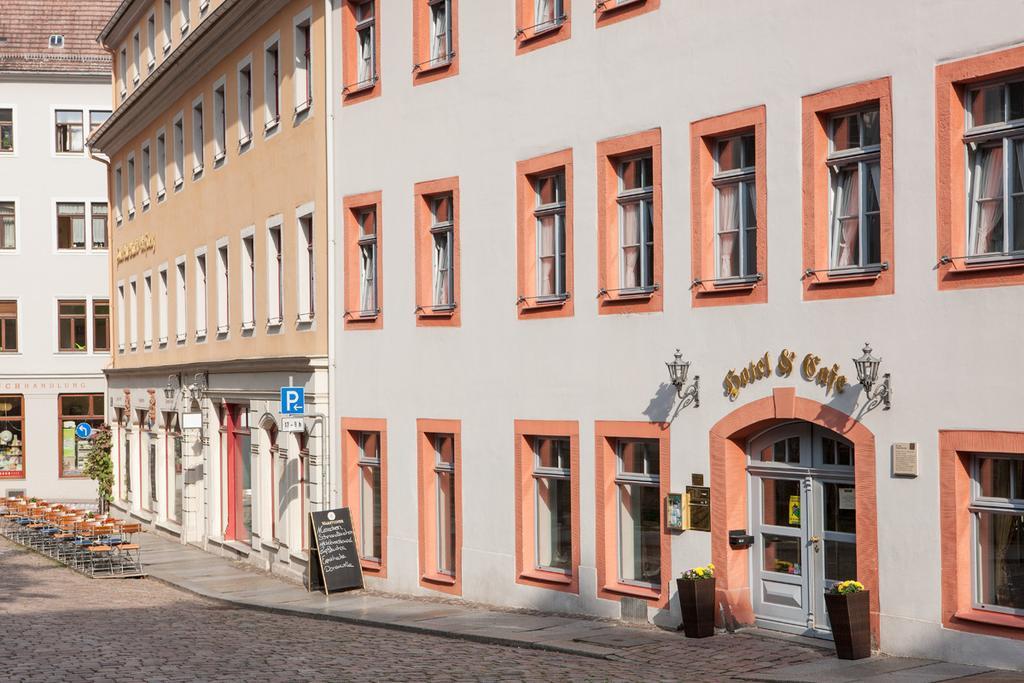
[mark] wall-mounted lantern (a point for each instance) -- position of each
(867, 373)
(677, 371)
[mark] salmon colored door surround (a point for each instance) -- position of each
(728, 453)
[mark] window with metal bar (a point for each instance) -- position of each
(442, 229)
(244, 104)
(735, 207)
(994, 138)
(440, 31)
(272, 86)
(367, 219)
(636, 223)
(855, 170)
(366, 43)
(549, 213)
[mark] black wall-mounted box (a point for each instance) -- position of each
(739, 538)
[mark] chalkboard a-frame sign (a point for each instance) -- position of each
(333, 560)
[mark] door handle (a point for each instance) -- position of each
(816, 540)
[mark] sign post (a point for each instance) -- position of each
(333, 560)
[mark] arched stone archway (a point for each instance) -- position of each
(728, 440)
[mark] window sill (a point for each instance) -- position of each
(222, 330)
(528, 35)
(634, 591)
(271, 125)
(981, 264)
(180, 339)
(302, 318)
(243, 143)
(436, 313)
(124, 94)
(644, 294)
(372, 566)
(135, 80)
(184, 28)
(197, 172)
(432, 67)
(990, 618)
(162, 341)
(178, 183)
(219, 157)
(167, 48)
(248, 327)
(440, 579)
(542, 304)
(274, 322)
(555, 578)
(359, 88)
(151, 64)
(302, 108)
(160, 194)
(145, 204)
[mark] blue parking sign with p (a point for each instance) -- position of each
(293, 400)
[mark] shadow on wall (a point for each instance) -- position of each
(663, 407)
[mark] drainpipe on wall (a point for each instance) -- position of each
(332, 276)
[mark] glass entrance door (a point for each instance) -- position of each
(803, 518)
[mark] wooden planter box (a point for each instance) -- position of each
(697, 603)
(850, 616)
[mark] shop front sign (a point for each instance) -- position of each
(139, 245)
(812, 369)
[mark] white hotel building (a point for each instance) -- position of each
(527, 207)
(54, 301)
(538, 202)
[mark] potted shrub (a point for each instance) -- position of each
(849, 613)
(697, 601)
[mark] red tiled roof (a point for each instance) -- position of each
(26, 27)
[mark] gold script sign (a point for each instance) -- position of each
(145, 242)
(811, 369)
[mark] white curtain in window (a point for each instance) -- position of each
(369, 296)
(7, 226)
(365, 54)
(99, 230)
(846, 222)
(988, 186)
(439, 21)
(728, 231)
(631, 235)
(442, 261)
(545, 11)
(546, 255)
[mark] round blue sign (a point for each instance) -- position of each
(83, 430)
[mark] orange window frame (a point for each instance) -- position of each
(427, 505)
(957, 449)
(530, 36)
(354, 317)
(609, 153)
(350, 46)
(527, 173)
(606, 434)
(426, 316)
(704, 291)
(609, 12)
(818, 109)
(952, 80)
(351, 428)
(424, 70)
(527, 573)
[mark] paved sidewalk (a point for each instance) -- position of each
(767, 656)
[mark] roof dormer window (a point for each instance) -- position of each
(56, 40)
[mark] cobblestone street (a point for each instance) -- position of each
(61, 626)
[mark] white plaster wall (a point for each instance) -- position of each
(952, 354)
(37, 275)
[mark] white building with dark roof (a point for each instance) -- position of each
(54, 299)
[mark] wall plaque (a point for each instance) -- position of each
(904, 459)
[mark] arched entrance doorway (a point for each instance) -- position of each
(803, 518)
(748, 593)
